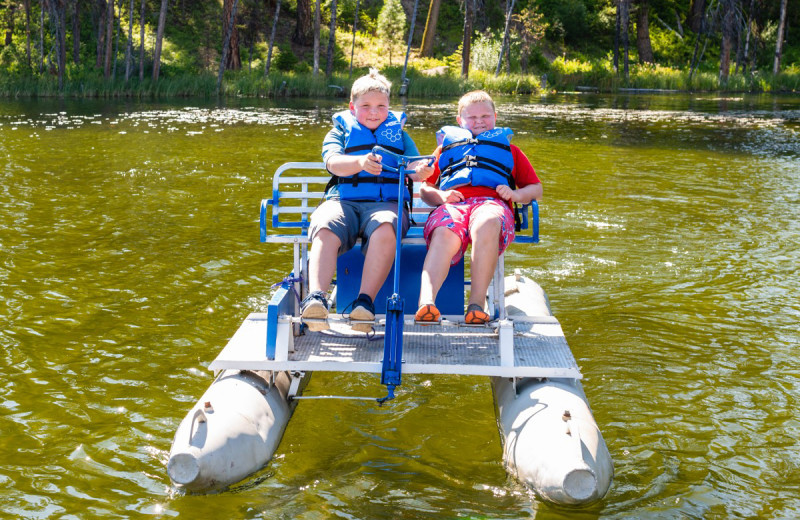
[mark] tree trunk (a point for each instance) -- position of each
(57, 11)
(28, 31)
(697, 11)
(101, 7)
(408, 46)
(76, 32)
(227, 30)
(41, 39)
(429, 35)
(62, 34)
(616, 39)
(233, 61)
(162, 21)
(469, 10)
(10, 27)
(643, 32)
(141, 43)
(624, 21)
(109, 38)
(747, 37)
(776, 66)
(331, 41)
(272, 36)
(353, 47)
(317, 16)
(505, 38)
(117, 28)
(303, 30)
(129, 47)
(728, 33)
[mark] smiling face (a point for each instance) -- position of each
(370, 109)
(477, 117)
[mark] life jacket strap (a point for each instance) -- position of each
(470, 161)
(468, 142)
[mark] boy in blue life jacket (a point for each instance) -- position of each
(478, 177)
(361, 199)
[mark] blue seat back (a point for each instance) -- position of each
(348, 281)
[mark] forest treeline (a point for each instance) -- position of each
(314, 47)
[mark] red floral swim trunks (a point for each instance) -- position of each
(458, 216)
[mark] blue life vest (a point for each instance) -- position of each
(359, 140)
(483, 160)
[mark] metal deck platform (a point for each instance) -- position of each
(539, 349)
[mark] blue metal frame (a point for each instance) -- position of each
(391, 372)
(533, 223)
(281, 303)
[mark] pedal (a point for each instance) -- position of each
(316, 324)
(363, 325)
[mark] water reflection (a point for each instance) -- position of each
(130, 254)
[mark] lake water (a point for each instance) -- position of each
(129, 255)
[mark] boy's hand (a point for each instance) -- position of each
(506, 193)
(449, 196)
(421, 171)
(371, 163)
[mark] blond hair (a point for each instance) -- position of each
(374, 81)
(476, 96)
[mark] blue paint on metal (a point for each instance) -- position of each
(350, 265)
(391, 371)
(531, 223)
(281, 303)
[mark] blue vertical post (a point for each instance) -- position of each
(393, 337)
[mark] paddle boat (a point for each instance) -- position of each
(551, 442)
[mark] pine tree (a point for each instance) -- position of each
(391, 24)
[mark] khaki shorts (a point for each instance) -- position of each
(349, 220)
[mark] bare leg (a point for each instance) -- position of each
(444, 246)
(485, 233)
(379, 259)
(322, 260)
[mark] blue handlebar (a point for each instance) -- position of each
(402, 160)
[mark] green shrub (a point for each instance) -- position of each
(285, 60)
(485, 51)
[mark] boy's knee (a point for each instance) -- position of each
(326, 237)
(383, 232)
(442, 234)
(486, 224)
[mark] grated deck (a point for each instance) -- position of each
(540, 350)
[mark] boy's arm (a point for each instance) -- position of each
(347, 165)
(522, 195)
(343, 165)
(433, 196)
(421, 170)
(525, 176)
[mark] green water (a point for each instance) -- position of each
(129, 255)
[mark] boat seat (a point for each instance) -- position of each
(297, 189)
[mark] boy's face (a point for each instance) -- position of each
(370, 109)
(477, 117)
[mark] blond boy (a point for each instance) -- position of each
(478, 177)
(361, 199)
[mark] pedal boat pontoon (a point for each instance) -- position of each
(551, 442)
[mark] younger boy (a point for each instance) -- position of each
(479, 174)
(361, 199)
